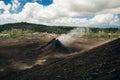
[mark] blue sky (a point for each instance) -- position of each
(44, 2)
(23, 2)
(61, 12)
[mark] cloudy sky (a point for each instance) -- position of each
(100, 13)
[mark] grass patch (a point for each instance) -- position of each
(15, 33)
(106, 33)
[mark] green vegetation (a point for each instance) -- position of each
(14, 33)
(36, 28)
(103, 32)
(21, 29)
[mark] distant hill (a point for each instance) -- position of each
(35, 27)
(91, 31)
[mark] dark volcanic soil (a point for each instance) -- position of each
(35, 59)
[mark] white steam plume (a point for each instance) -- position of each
(70, 37)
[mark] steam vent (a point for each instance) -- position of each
(99, 63)
(54, 45)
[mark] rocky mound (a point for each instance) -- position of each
(54, 45)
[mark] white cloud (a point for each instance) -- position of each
(15, 5)
(84, 7)
(70, 21)
(112, 11)
(62, 11)
(98, 19)
(3, 6)
(5, 21)
(6, 8)
(105, 19)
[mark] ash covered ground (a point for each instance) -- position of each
(45, 56)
